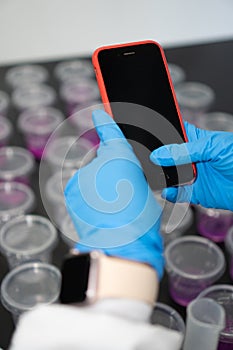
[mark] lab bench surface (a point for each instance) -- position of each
(209, 63)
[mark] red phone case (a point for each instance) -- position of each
(103, 91)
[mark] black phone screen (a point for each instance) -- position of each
(75, 272)
(142, 103)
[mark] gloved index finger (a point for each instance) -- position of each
(178, 154)
(106, 127)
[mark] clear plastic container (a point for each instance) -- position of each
(166, 316)
(33, 95)
(213, 223)
(16, 164)
(15, 199)
(194, 99)
(5, 131)
(176, 219)
(75, 69)
(205, 321)
(192, 263)
(4, 103)
(37, 125)
(177, 73)
(27, 238)
(68, 232)
(26, 74)
(68, 152)
(81, 119)
(219, 121)
(229, 248)
(77, 92)
(54, 192)
(28, 285)
(223, 295)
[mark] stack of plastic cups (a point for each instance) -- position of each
(194, 99)
(205, 321)
(16, 164)
(37, 125)
(27, 238)
(223, 295)
(5, 131)
(33, 95)
(192, 263)
(55, 200)
(15, 199)
(26, 74)
(4, 103)
(165, 316)
(29, 285)
(213, 223)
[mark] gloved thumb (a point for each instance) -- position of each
(178, 154)
(106, 127)
(182, 194)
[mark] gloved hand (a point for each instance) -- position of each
(212, 151)
(110, 202)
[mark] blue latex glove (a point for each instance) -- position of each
(212, 151)
(110, 202)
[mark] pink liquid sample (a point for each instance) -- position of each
(3, 143)
(37, 125)
(12, 199)
(214, 228)
(36, 144)
(22, 180)
(91, 136)
(183, 290)
(77, 94)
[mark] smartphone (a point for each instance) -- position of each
(136, 89)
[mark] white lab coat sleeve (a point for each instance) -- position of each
(62, 327)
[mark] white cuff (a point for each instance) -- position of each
(128, 309)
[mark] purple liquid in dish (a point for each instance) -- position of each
(225, 346)
(36, 152)
(183, 290)
(12, 199)
(22, 180)
(214, 228)
(231, 267)
(37, 126)
(91, 136)
(3, 143)
(36, 144)
(226, 343)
